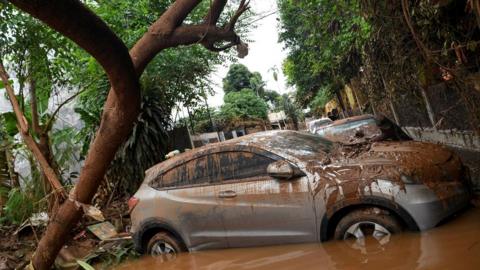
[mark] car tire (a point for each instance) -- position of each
(371, 221)
(164, 246)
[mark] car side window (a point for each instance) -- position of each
(241, 165)
(200, 171)
(171, 178)
(193, 172)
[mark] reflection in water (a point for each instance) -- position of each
(455, 245)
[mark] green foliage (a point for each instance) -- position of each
(271, 96)
(323, 96)
(238, 78)
(10, 123)
(33, 51)
(2, 85)
(18, 207)
(325, 40)
(244, 105)
(291, 109)
(66, 152)
(202, 119)
(85, 265)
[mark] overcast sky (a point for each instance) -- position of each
(264, 53)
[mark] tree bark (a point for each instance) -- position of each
(123, 101)
(44, 146)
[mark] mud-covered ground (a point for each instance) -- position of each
(453, 245)
(17, 243)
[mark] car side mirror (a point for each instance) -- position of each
(283, 169)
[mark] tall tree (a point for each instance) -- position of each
(325, 39)
(123, 68)
(238, 78)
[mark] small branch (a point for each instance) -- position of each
(421, 46)
(173, 17)
(22, 121)
(65, 102)
(154, 41)
(244, 6)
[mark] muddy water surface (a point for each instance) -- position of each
(454, 245)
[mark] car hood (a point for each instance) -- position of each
(428, 153)
(359, 167)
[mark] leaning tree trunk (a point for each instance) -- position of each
(122, 106)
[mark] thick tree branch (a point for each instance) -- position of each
(244, 6)
(173, 17)
(206, 34)
(216, 9)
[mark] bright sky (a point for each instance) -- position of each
(264, 53)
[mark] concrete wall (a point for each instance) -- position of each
(455, 138)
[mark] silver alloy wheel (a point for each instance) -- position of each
(362, 229)
(163, 250)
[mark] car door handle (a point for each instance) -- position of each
(227, 194)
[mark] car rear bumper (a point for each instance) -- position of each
(428, 208)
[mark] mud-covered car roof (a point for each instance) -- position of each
(351, 119)
(284, 143)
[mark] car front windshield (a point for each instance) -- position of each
(353, 125)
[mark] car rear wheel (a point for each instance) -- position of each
(371, 221)
(164, 246)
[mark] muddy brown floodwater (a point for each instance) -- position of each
(454, 245)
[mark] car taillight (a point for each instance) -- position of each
(132, 203)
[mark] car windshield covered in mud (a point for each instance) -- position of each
(360, 129)
(316, 124)
(283, 187)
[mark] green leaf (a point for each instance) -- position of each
(10, 122)
(2, 85)
(85, 265)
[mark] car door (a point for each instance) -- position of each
(194, 204)
(261, 210)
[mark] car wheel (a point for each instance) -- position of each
(371, 221)
(164, 246)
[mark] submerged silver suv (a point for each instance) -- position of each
(283, 187)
